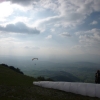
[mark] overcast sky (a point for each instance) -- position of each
(51, 29)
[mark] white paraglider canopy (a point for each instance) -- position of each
(86, 89)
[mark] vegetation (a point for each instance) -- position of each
(17, 86)
(13, 68)
(40, 78)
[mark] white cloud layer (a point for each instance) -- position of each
(65, 34)
(19, 28)
(90, 37)
(49, 37)
(5, 9)
(94, 22)
(69, 13)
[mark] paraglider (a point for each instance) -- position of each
(34, 58)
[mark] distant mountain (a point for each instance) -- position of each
(65, 76)
(56, 75)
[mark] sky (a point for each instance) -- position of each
(58, 30)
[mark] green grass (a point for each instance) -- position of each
(15, 86)
(10, 77)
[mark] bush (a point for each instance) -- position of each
(16, 69)
(4, 65)
(13, 68)
(41, 78)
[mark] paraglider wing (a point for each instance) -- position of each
(86, 89)
(34, 58)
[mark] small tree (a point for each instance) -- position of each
(97, 77)
(40, 78)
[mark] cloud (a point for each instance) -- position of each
(91, 32)
(5, 9)
(30, 47)
(65, 34)
(48, 4)
(89, 41)
(94, 22)
(57, 25)
(90, 37)
(49, 37)
(2, 1)
(86, 6)
(52, 30)
(69, 13)
(45, 4)
(19, 28)
(23, 2)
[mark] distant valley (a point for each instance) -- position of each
(80, 71)
(73, 71)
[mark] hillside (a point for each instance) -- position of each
(16, 86)
(55, 75)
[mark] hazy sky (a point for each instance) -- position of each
(50, 29)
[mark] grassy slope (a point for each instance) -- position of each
(15, 86)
